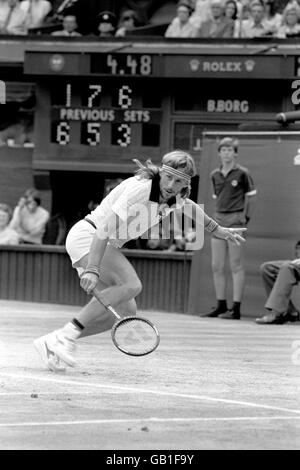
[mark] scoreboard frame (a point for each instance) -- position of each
(105, 137)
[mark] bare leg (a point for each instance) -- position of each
(119, 284)
(237, 270)
(219, 253)
(105, 320)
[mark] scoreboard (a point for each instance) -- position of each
(97, 109)
(124, 64)
(98, 114)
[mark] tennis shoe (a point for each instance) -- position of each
(44, 348)
(271, 319)
(216, 312)
(64, 348)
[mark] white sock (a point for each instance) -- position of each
(70, 331)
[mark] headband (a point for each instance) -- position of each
(173, 171)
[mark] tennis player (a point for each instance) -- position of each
(93, 244)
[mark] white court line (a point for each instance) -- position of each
(145, 420)
(143, 390)
(24, 394)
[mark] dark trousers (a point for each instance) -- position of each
(279, 278)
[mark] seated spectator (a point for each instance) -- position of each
(181, 26)
(231, 12)
(279, 278)
(243, 7)
(231, 9)
(36, 11)
(272, 16)
(69, 27)
(30, 219)
(202, 12)
(23, 198)
(8, 236)
(290, 23)
(12, 18)
(257, 25)
(219, 26)
(128, 21)
(107, 22)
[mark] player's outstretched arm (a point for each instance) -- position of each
(234, 235)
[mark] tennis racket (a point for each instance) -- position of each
(133, 335)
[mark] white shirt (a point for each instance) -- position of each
(179, 30)
(17, 22)
(286, 30)
(134, 212)
(251, 30)
(275, 22)
(36, 11)
(8, 236)
(30, 226)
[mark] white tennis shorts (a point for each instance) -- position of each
(78, 241)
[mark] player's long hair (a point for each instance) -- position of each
(178, 159)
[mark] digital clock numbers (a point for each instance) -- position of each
(122, 64)
(102, 115)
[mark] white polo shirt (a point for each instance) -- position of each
(135, 204)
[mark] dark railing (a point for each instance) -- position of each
(44, 274)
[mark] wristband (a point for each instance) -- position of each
(211, 226)
(92, 269)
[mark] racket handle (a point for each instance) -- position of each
(100, 297)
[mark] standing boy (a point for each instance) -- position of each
(233, 192)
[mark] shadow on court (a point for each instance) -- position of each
(211, 384)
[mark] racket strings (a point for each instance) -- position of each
(135, 336)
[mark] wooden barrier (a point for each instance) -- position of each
(44, 274)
